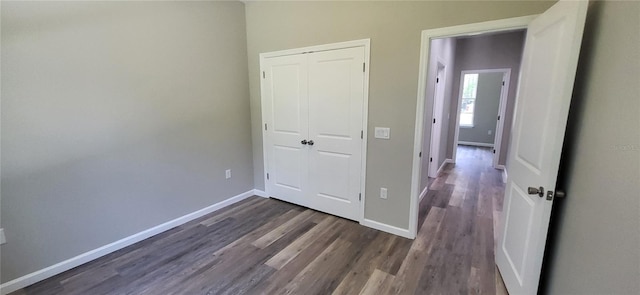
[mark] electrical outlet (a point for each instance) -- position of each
(383, 193)
(489, 132)
(3, 240)
(227, 173)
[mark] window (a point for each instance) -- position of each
(467, 105)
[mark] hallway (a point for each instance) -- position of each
(469, 196)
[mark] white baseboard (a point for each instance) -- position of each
(260, 193)
(481, 144)
(504, 174)
(446, 161)
(424, 192)
(68, 264)
(403, 232)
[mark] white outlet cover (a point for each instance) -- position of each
(227, 173)
(382, 132)
(3, 240)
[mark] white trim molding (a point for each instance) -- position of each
(424, 192)
(471, 143)
(260, 193)
(444, 164)
(505, 175)
(83, 258)
(403, 232)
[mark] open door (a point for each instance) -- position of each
(548, 70)
(436, 123)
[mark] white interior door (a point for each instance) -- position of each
(285, 111)
(336, 99)
(502, 108)
(549, 63)
(436, 122)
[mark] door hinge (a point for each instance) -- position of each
(263, 75)
(420, 154)
(430, 159)
(265, 126)
(363, 67)
(267, 176)
(494, 151)
(434, 120)
(502, 83)
(498, 117)
(437, 80)
(361, 134)
(360, 197)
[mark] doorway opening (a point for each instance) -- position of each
(549, 62)
(485, 104)
(469, 100)
(462, 74)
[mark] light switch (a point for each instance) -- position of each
(382, 132)
(383, 193)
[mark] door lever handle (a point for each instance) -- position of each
(536, 191)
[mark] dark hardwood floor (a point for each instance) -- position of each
(265, 246)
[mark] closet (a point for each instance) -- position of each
(313, 112)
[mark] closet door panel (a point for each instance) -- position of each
(336, 97)
(286, 115)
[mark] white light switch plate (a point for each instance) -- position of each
(382, 132)
(383, 192)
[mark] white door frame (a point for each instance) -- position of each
(427, 36)
(366, 44)
(502, 109)
(438, 106)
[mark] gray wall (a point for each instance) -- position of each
(442, 50)
(117, 117)
(497, 51)
(596, 229)
(394, 29)
(485, 110)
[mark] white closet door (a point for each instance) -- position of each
(336, 97)
(285, 112)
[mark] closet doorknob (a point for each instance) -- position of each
(310, 142)
(304, 141)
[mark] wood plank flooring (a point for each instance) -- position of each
(265, 246)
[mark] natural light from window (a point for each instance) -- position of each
(469, 89)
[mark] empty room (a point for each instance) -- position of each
(319, 147)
